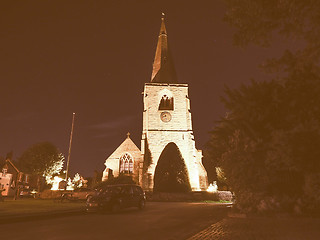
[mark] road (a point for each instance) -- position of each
(157, 221)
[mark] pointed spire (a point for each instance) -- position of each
(163, 69)
(163, 26)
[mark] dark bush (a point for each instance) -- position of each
(121, 179)
(171, 173)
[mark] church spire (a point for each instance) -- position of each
(163, 69)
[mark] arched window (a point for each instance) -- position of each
(126, 163)
(130, 165)
(166, 103)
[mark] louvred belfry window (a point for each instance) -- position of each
(166, 103)
(126, 163)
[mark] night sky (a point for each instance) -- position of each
(93, 58)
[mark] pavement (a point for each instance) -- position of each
(241, 227)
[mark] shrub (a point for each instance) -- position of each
(121, 179)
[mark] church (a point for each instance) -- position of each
(167, 132)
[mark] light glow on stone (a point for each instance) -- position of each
(56, 182)
(213, 187)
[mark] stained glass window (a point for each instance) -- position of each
(126, 163)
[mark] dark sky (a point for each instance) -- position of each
(93, 58)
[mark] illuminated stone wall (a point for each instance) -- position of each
(113, 161)
(177, 129)
(5, 184)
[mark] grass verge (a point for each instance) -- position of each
(212, 201)
(31, 206)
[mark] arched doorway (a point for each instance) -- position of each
(171, 173)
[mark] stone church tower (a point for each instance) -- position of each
(167, 119)
(167, 125)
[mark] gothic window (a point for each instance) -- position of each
(126, 166)
(131, 165)
(166, 103)
(126, 163)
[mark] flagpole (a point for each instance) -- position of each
(69, 153)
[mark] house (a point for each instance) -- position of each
(12, 179)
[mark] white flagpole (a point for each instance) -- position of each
(69, 153)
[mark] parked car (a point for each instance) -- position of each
(115, 197)
(80, 194)
(26, 193)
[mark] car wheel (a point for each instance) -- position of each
(142, 204)
(115, 208)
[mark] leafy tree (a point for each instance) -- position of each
(41, 159)
(257, 21)
(97, 177)
(262, 22)
(147, 159)
(54, 170)
(268, 144)
(171, 173)
(78, 181)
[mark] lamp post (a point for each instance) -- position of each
(69, 153)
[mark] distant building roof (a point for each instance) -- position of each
(9, 162)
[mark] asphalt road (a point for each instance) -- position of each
(157, 221)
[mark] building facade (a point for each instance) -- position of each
(166, 120)
(13, 181)
(126, 159)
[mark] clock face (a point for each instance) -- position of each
(165, 116)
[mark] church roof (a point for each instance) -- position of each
(126, 146)
(163, 68)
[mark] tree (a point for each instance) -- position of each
(171, 173)
(268, 144)
(78, 181)
(54, 169)
(42, 159)
(256, 21)
(262, 22)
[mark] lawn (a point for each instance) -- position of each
(27, 206)
(220, 201)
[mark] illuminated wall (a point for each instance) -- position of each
(162, 126)
(126, 149)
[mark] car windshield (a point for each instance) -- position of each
(110, 190)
